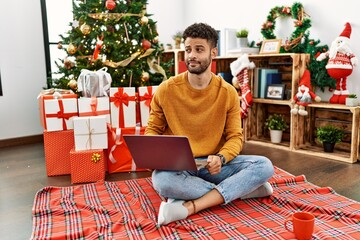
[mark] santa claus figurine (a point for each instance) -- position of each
(304, 96)
(340, 64)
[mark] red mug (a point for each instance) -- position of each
(302, 225)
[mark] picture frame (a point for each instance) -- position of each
(275, 91)
(270, 46)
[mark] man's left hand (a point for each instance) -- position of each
(214, 164)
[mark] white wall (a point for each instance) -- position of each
(22, 60)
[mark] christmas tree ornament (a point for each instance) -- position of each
(110, 4)
(75, 24)
(155, 40)
(73, 84)
(85, 29)
(68, 64)
(144, 20)
(145, 76)
(59, 46)
(340, 64)
(145, 44)
(98, 46)
(71, 49)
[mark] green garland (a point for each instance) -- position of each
(302, 23)
(299, 41)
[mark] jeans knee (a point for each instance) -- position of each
(268, 168)
(161, 183)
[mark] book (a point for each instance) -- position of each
(263, 80)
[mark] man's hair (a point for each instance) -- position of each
(202, 30)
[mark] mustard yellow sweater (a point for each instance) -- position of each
(210, 117)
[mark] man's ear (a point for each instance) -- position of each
(214, 52)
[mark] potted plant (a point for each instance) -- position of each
(178, 37)
(351, 100)
(276, 124)
(328, 136)
(242, 35)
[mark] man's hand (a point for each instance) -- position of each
(214, 164)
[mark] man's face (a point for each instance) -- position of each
(198, 55)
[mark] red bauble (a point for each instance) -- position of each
(331, 89)
(110, 4)
(145, 44)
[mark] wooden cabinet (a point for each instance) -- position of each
(301, 134)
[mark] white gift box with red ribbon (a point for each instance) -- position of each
(145, 96)
(59, 113)
(94, 106)
(123, 107)
(90, 133)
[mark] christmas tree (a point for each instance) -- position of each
(116, 34)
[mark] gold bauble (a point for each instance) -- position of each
(85, 29)
(144, 20)
(155, 40)
(145, 76)
(72, 84)
(71, 49)
(59, 46)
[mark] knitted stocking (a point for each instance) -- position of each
(246, 97)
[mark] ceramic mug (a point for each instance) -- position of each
(302, 225)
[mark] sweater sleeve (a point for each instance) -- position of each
(233, 129)
(156, 122)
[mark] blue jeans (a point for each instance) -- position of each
(242, 175)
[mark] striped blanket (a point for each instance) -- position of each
(128, 210)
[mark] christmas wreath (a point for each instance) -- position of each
(299, 42)
(301, 21)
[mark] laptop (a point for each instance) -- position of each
(163, 152)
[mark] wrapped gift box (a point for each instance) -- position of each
(119, 156)
(94, 106)
(122, 107)
(57, 146)
(54, 94)
(59, 113)
(87, 165)
(94, 84)
(90, 133)
(145, 96)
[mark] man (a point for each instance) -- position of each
(205, 108)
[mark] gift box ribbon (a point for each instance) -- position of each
(116, 135)
(121, 98)
(90, 133)
(94, 112)
(61, 114)
(147, 96)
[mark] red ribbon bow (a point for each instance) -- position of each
(119, 99)
(61, 114)
(147, 96)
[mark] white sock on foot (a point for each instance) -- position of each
(171, 211)
(263, 191)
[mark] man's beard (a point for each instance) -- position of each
(201, 68)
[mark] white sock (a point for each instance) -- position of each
(171, 211)
(263, 191)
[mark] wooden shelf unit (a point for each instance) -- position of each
(300, 136)
(320, 114)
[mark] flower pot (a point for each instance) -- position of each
(351, 102)
(276, 136)
(242, 43)
(328, 147)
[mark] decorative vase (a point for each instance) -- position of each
(276, 136)
(328, 147)
(351, 102)
(242, 43)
